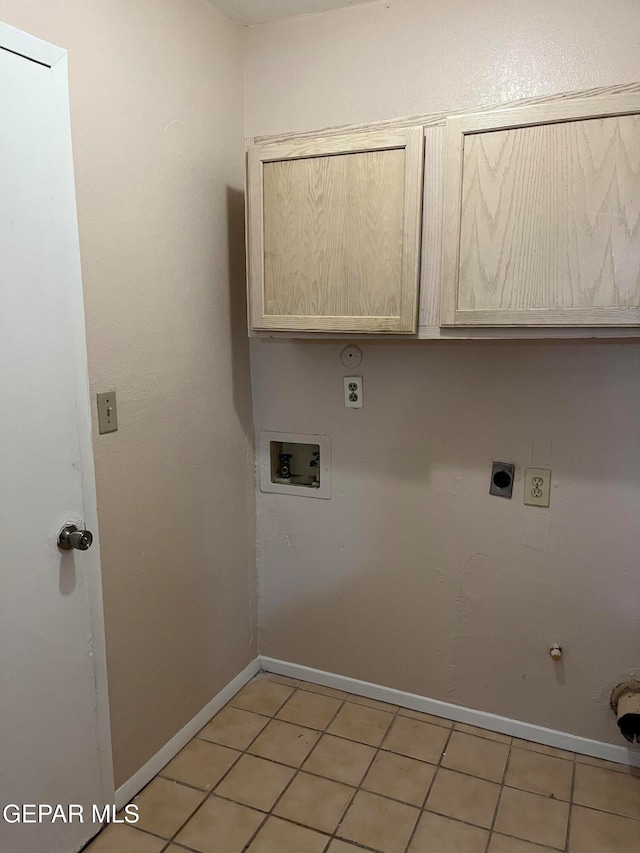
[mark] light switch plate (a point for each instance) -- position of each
(537, 486)
(107, 412)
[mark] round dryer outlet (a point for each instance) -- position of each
(351, 356)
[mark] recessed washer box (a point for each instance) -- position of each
(295, 464)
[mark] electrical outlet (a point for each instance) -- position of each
(537, 486)
(353, 392)
(502, 474)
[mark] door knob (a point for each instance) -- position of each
(70, 537)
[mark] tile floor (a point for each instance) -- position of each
(292, 767)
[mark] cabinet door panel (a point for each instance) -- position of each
(334, 233)
(549, 222)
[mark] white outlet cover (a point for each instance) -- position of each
(537, 486)
(353, 398)
(267, 485)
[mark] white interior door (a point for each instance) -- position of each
(54, 731)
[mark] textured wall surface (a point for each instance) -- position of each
(412, 575)
(404, 57)
(156, 102)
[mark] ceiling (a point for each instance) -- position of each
(249, 12)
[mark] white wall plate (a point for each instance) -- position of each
(267, 483)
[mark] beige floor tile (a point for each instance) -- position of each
(120, 837)
(372, 703)
(262, 696)
(426, 718)
(234, 727)
(220, 825)
(400, 777)
(255, 782)
(340, 759)
(284, 742)
(463, 797)
(338, 846)
(541, 774)
(314, 802)
(477, 756)
(543, 749)
(201, 764)
(533, 818)
(416, 739)
(608, 765)
(280, 836)
(281, 679)
(504, 844)
(379, 823)
(309, 709)
(597, 832)
(365, 725)
(436, 834)
(164, 806)
(607, 790)
(320, 688)
(485, 733)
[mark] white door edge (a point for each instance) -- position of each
(29, 46)
(55, 58)
(92, 565)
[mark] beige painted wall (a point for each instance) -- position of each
(156, 99)
(412, 575)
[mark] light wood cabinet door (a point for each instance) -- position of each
(542, 216)
(334, 232)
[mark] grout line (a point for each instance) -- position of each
(297, 772)
(182, 826)
(534, 844)
(245, 752)
(430, 788)
(358, 788)
(500, 792)
(181, 846)
(570, 756)
(573, 787)
(610, 766)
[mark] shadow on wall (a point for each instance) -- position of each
(238, 309)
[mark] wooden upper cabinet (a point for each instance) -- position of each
(542, 215)
(334, 232)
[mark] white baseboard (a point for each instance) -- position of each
(155, 764)
(481, 719)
